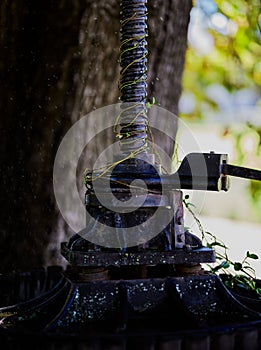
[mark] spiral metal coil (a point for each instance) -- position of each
(133, 119)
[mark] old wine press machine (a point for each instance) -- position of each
(143, 285)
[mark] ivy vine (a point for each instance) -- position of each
(239, 273)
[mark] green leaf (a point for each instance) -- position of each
(252, 284)
(229, 284)
(252, 256)
(217, 244)
(225, 264)
(258, 290)
(237, 266)
(244, 281)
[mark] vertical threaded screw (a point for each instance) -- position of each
(133, 86)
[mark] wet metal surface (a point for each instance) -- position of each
(134, 305)
(177, 256)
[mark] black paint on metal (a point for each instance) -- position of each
(132, 258)
(237, 171)
(158, 313)
(198, 171)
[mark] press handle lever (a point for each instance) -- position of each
(197, 171)
(210, 171)
(238, 171)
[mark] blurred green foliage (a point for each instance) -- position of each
(222, 76)
(234, 61)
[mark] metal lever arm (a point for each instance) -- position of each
(209, 171)
(198, 171)
(201, 171)
(238, 171)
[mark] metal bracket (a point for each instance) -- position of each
(198, 171)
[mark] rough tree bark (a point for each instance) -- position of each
(58, 62)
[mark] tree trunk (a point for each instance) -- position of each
(59, 62)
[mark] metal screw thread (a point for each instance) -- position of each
(133, 86)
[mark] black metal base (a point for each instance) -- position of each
(153, 313)
(146, 257)
(142, 305)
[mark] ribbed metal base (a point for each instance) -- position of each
(156, 314)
